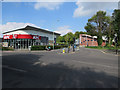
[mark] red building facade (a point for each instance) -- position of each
(87, 40)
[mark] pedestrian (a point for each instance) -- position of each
(49, 48)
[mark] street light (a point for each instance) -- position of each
(53, 36)
(53, 40)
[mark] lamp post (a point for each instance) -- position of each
(53, 40)
(53, 36)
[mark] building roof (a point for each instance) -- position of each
(33, 28)
(103, 37)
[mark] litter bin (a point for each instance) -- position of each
(29, 48)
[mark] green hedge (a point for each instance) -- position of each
(44, 47)
(7, 49)
(100, 47)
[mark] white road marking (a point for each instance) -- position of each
(40, 63)
(43, 64)
(96, 64)
(36, 63)
(109, 53)
(15, 69)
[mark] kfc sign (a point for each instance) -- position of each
(7, 36)
(22, 36)
(36, 37)
(15, 36)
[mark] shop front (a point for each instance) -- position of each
(22, 41)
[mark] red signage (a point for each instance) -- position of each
(22, 36)
(8, 37)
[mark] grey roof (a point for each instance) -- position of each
(33, 28)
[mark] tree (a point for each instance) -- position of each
(90, 29)
(116, 23)
(60, 39)
(77, 33)
(109, 32)
(97, 23)
(81, 32)
(69, 38)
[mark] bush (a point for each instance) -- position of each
(44, 47)
(7, 49)
(38, 47)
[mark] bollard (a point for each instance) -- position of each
(29, 48)
(63, 50)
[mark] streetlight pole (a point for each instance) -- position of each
(53, 40)
(53, 37)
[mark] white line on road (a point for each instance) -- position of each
(15, 69)
(96, 64)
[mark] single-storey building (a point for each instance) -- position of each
(27, 36)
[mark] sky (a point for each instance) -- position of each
(61, 17)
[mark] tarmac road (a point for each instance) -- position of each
(86, 68)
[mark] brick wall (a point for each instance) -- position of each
(88, 40)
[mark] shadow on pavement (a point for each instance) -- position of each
(52, 75)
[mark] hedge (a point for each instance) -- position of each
(7, 49)
(41, 47)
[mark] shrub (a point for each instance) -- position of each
(7, 49)
(43, 47)
(38, 48)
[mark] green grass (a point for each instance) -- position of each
(100, 47)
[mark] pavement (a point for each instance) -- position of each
(110, 51)
(86, 68)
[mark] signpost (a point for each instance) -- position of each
(5, 44)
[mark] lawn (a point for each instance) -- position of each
(100, 47)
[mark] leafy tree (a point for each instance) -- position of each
(116, 23)
(90, 29)
(97, 23)
(81, 32)
(69, 38)
(60, 39)
(77, 33)
(109, 32)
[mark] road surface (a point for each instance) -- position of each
(86, 68)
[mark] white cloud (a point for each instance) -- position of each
(90, 8)
(48, 5)
(63, 30)
(12, 26)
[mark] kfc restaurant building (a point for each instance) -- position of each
(29, 36)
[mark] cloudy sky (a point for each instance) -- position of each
(61, 17)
